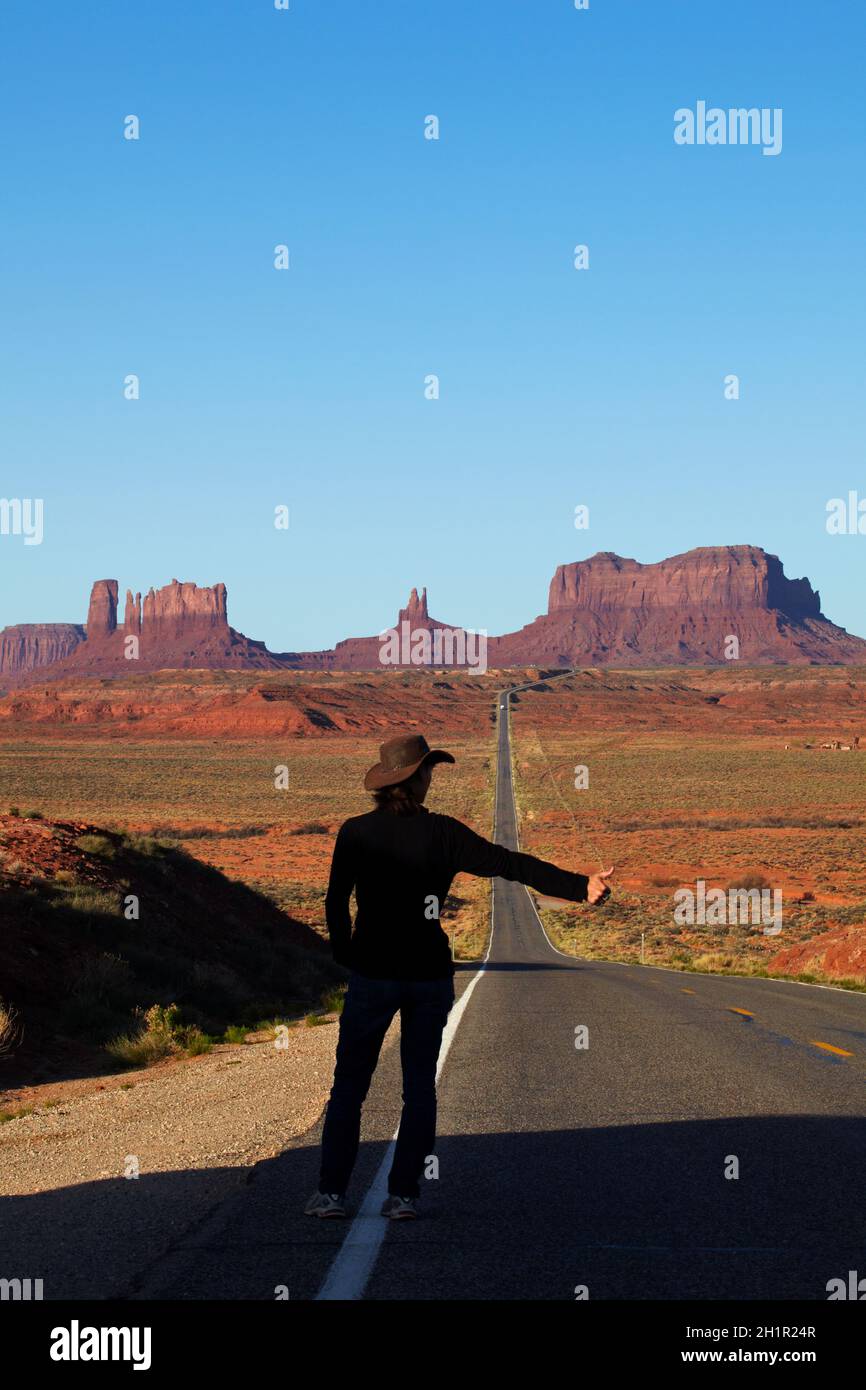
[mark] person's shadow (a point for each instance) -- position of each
(633, 1211)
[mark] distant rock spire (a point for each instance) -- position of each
(132, 614)
(416, 608)
(102, 613)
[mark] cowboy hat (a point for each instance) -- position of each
(401, 756)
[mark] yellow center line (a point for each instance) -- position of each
(828, 1047)
(744, 1013)
(688, 991)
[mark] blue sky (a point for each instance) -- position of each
(409, 257)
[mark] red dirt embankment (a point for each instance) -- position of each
(98, 926)
(243, 705)
(839, 954)
(810, 706)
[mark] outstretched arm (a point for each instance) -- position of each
(340, 885)
(474, 855)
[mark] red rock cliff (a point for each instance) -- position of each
(132, 614)
(177, 626)
(29, 645)
(102, 613)
(728, 577)
(612, 611)
(602, 611)
(177, 608)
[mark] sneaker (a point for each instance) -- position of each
(325, 1204)
(400, 1208)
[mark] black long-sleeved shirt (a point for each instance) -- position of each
(401, 869)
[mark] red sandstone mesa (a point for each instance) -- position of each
(610, 611)
(178, 626)
(605, 610)
(179, 608)
(30, 645)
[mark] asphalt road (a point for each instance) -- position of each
(600, 1167)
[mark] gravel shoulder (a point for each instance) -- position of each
(73, 1213)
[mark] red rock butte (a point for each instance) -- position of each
(605, 610)
(611, 611)
(178, 626)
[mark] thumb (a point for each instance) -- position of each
(606, 873)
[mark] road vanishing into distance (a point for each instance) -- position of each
(564, 1171)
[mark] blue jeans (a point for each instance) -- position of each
(367, 1014)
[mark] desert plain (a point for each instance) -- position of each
(211, 800)
(700, 774)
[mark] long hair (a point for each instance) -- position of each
(401, 799)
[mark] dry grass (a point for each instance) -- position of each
(218, 800)
(735, 812)
(10, 1027)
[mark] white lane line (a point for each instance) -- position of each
(348, 1275)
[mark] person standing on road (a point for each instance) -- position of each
(400, 860)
